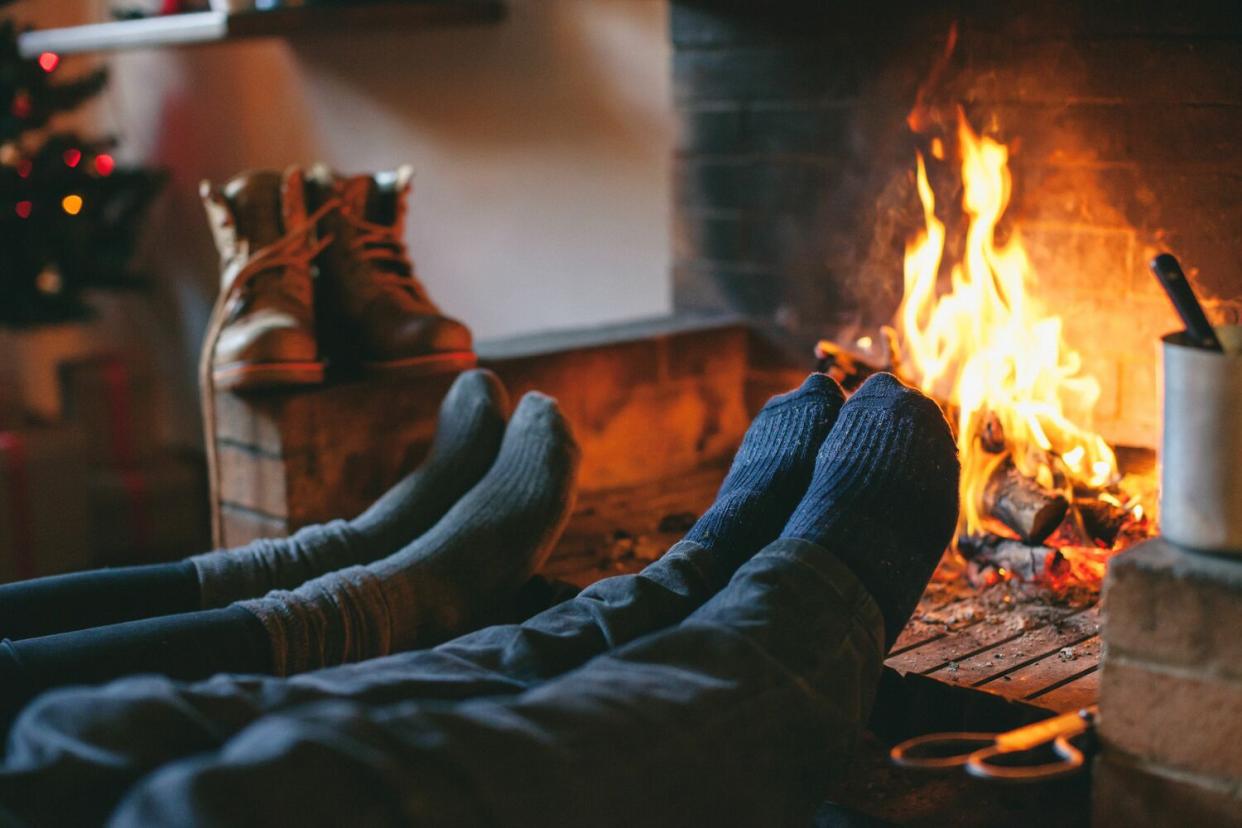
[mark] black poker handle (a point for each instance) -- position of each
(1171, 277)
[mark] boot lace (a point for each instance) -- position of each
(373, 242)
(291, 250)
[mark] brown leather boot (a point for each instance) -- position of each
(372, 308)
(263, 328)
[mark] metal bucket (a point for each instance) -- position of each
(1201, 452)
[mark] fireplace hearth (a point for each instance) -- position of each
(821, 144)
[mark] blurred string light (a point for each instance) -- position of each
(49, 61)
(72, 157)
(23, 209)
(71, 204)
(104, 164)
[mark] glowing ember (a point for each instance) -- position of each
(989, 351)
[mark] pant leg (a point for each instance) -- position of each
(99, 740)
(78, 600)
(737, 716)
(186, 646)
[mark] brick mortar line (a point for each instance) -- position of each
(1124, 658)
(772, 100)
(823, 160)
(1228, 787)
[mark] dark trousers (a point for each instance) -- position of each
(655, 699)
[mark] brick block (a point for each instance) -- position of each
(717, 24)
(1188, 720)
(715, 235)
(1076, 195)
(1175, 607)
(1063, 133)
(1206, 18)
(714, 184)
(804, 128)
(762, 184)
(695, 290)
(1130, 794)
(1205, 137)
(781, 73)
(1159, 69)
(709, 129)
(748, 289)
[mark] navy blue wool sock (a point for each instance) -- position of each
(884, 494)
(770, 471)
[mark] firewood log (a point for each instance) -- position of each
(1101, 519)
(992, 433)
(1025, 562)
(1022, 504)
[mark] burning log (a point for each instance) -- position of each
(1023, 561)
(845, 366)
(992, 434)
(1101, 519)
(1023, 505)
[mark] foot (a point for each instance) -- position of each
(770, 472)
(468, 433)
(480, 553)
(883, 497)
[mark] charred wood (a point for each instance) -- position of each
(1101, 519)
(1023, 505)
(1023, 561)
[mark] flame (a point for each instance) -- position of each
(989, 350)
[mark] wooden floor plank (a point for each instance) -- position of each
(987, 666)
(1080, 690)
(1035, 678)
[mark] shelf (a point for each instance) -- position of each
(215, 27)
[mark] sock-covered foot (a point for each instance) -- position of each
(770, 472)
(884, 494)
(470, 427)
(456, 576)
(468, 434)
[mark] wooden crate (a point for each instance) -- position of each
(648, 402)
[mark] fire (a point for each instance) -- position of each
(987, 348)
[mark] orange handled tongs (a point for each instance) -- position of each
(1015, 756)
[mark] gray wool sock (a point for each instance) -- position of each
(451, 579)
(468, 433)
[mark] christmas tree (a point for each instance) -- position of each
(68, 214)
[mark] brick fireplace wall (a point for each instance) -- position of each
(793, 177)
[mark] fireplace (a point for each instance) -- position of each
(819, 145)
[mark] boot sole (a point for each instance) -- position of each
(418, 366)
(251, 376)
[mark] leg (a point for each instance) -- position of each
(79, 735)
(351, 614)
(737, 716)
(467, 436)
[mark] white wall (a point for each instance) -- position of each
(542, 146)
